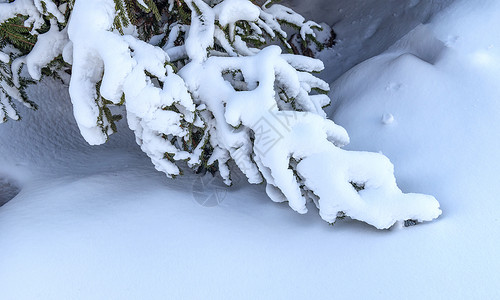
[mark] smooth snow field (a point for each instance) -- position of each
(415, 80)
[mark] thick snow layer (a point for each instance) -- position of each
(98, 222)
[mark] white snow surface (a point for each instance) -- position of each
(99, 222)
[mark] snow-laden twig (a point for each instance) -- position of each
(297, 152)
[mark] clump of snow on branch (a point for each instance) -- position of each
(8, 91)
(131, 68)
(229, 100)
(304, 160)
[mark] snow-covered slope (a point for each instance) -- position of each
(101, 223)
(364, 28)
(431, 104)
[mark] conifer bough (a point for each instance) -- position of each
(199, 82)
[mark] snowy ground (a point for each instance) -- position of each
(101, 223)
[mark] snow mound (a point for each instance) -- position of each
(430, 104)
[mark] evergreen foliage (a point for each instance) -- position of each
(202, 82)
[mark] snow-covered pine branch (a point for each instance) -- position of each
(203, 90)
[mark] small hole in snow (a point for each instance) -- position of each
(8, 190)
